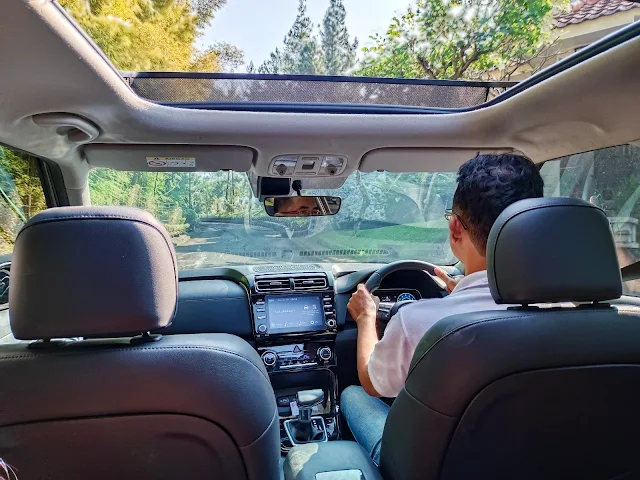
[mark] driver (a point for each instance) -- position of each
(296, 207)
(487, 184)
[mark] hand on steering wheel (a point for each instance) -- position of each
(363, 305)
(387, 310)
(449, 281)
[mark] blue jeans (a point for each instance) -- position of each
(366, 416)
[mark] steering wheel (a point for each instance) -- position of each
(386, 310)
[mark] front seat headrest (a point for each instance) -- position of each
(91, 272)
(547, 250)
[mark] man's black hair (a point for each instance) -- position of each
(487, 184)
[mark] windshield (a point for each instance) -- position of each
(214, 219)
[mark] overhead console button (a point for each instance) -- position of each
(307, 165)
(332, 166)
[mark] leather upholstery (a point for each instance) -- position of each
(305, 461)
(543, 250)
(201, 385)
(184, 406)
(527, 392)
(117, 263)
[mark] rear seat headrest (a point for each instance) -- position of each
(92, 271)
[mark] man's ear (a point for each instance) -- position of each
(456, 229)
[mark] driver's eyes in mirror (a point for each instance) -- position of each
(301, 206)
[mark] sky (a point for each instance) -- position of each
(258, 26)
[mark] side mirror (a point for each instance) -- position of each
(302, 206)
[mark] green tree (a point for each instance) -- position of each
(446, 39)
(302, 53)
(144, 35)
(339, 53)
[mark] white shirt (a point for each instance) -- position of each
(391, 357)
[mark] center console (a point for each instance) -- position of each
(295, 327)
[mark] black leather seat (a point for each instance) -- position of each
(184, 406)
(528, 392)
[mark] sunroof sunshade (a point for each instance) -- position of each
(184, 88)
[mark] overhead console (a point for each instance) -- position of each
(307, 165)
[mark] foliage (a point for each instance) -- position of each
(21, 194)
(147, 35)
(302, 53)
(180, 200)
(339, 53)
(446, 39)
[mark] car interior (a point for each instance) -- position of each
(132, 351)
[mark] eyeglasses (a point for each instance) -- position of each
(448, 214)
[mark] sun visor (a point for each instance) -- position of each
(170, 158)
(420, 159)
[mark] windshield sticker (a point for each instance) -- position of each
(171, 162)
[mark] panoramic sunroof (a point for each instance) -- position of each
(425, 41)
(215, 89)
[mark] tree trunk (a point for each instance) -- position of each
(425, 201)
(366, 201)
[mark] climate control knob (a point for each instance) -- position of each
(262, 328)
(325, 353)
(269, 358)
(331, 323)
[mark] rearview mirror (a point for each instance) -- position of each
(305, 206)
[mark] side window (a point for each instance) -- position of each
(609, 178)
(21, 196)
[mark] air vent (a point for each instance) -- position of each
(276, 284)
(309, 283)
(300, 267)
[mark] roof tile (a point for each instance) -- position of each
(585, 10)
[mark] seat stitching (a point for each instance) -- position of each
(411, 395)
(189, 347)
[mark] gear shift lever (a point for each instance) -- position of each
(306, 400)
(307, 428)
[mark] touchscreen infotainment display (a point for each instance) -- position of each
(301, 313)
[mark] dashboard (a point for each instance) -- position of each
(219, 300)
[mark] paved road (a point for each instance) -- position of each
(233, 244)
